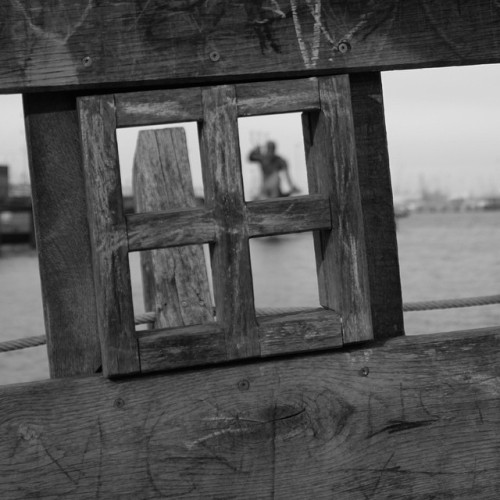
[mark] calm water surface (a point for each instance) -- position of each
(441, 256)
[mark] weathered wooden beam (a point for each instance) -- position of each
(331, 159)
(62, 234)
(288, 215)
(300, 332)
(223, 183)
(414, 417)
(203, 345)
(104, 44)
(184, 105)
(264, 98)
(378, 208)
(108, 232)
(175, 280)
(190, 226)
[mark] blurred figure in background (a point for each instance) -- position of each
(272, 165)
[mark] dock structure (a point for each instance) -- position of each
(333, 403)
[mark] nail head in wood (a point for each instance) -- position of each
(214, 56)
(87, 61)
(243, 385)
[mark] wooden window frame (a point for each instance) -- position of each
(332, 210)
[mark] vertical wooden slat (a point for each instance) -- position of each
(378, 207)
(232, 277)
(62, 235)
(109, 236)
(332, 169)
(175, 280)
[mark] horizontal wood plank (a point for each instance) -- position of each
(288, 215)
(414, 417)
(285, 96)
(202, 345)
(189, 226)
(300, 332)
(184, 105)
(156, 107)
(86, 44)
(195, 345)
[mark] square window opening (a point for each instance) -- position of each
(172, 287)
(160, 167)
(284, 273)
(272, 156)
(21, 309)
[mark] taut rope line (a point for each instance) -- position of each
(149, 317)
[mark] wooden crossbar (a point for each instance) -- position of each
(89, 45)
(332, 211)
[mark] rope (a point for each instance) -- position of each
(149, 317)
(14, 345)
(451, 303)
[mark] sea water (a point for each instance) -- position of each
(442, 256)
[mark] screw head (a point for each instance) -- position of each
(119, 403)
(364, 371)
(344, 46)
(87, 61)
(214, 56)
(243, 385)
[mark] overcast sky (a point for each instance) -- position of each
(443, 129)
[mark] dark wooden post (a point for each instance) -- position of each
(62, 234)
(377, 203)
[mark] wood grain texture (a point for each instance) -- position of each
(288, 215)
(332, 169)
(284, 96)
(222, 178)
(126, 42)
(377, 202)
(62, 234)
(109, 236)
(203, 345)
(175, 280)
(157, 107)
(300, 332)
(198, 345)
(184, 105)
(412, 418)
(170, 228)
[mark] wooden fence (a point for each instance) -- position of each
(368, 414)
